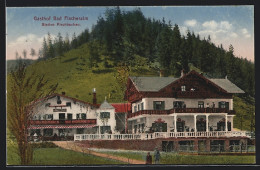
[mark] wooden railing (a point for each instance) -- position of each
(55, 122)
(181, 110)
(156, 135)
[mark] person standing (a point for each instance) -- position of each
(148, 158)
(157, 156)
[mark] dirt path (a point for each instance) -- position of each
(72, 146)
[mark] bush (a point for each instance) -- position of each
(44, 145)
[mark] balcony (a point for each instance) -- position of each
(181, 110)
(69, 122)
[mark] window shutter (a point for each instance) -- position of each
(219, 104)
(227, 105)
(163, 105)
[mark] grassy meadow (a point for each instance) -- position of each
(178, 159)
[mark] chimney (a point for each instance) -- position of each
(63, 93)
(182, 73)
(94, 96)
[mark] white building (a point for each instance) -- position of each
(61, 116)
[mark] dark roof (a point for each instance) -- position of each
(154, 84)
(227, 85)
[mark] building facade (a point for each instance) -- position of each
(61, 116)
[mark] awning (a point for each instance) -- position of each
(60, 126)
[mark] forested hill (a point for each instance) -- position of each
(121, 36)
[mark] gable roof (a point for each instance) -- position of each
(227, 85)
(56, 94)
(154, 84)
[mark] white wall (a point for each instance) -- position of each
(190, 103)
(78, 107)
(110, 122)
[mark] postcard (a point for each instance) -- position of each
(117, 85)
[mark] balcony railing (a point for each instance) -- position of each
(56, 122)
(156, 135)
(181, 110)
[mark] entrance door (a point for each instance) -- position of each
(62, 118)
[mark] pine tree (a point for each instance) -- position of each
(50, 52)
(60, 46)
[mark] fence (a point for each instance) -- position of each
(146, 136)
(213, 149)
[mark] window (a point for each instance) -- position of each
(105, 129)
(80, 131)
(47, 132)
(200, 104)
(159, 127)
(158, 105)
(68, 104)
(183, 88)
(83, 116)
(135, 108)
(179, 104)
(58, 100)
(78, 116)
(105, 115)
(142, 106)
(50, 116)
(69, 116)
(223, 104)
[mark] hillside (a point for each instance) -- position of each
(12, 64)
(77, 79)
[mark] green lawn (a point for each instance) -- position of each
(58, 156)
(174, 158)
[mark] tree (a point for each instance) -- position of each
(23, 88)
(176, 42)
(44, 49)
(74, 42)
(24, 54)
(164, 48)
(60, 44)
(67, 43)
(51, 52)
(33, 53)
(16, 55)
(121, 75)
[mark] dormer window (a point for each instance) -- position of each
(68, 104)
(183, 88)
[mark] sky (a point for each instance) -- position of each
(225, 24)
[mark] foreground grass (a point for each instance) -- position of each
(58, 156)
(176, 159)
